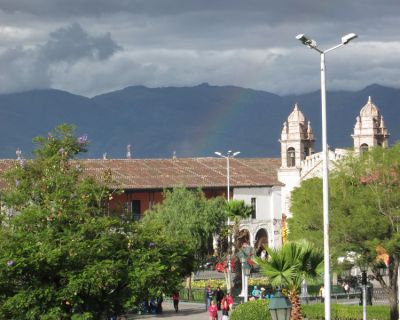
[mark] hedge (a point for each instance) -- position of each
(345, 312)
(252, 310)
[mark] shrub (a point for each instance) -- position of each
(252, 310)
(345, 312)
(201, 284)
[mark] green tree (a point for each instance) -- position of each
(62, 256)
(159, 263)
(289, 266)
(187, 217)
(364, 212)
(59, 253)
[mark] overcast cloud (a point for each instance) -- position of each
(94, 46)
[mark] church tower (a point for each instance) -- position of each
(297, 139)
(370, 130)
(297, 142)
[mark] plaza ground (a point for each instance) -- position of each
(187, 310)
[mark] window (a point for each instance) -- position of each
(291, 157)
(136, 210)
(253, 208)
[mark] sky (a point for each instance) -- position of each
(89, 47)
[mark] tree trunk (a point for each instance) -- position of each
(392, 290)
(295, 314)
(189, 288)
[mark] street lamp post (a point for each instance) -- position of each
(280, 307)
(364, 291)
(228, 156)
(244, 254)
(312, 44)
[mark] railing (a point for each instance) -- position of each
(379, 297)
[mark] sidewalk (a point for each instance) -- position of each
(187, 310)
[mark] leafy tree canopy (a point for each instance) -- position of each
(189, 218)
(364, 212)
(61, 255)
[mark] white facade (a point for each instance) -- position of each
(369, 131)
(267, 214)
(299, 162)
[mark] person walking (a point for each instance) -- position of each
(219, 294)
(229, 299)
(213, 311)
(208, 295)
(175, 299)
(225, 309)
(322, 293)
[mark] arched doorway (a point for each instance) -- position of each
(261, 241)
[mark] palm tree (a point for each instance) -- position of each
(235, 211)
(289, 266)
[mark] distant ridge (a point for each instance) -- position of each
(192, 121)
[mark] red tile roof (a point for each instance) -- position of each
(187, 172)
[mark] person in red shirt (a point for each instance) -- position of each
(225, 309)
(175, 299)
(213, 311)
(229, 299)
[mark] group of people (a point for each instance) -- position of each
(260, 294)
(154, 305)
(222, 302)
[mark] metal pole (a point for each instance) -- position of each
(246, 288)
(312, 44)
(364, 301)
(229, 289)
(243, 276)
(228, 196)
(325, 192)
(227, 177)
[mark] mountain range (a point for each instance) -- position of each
(188, 121)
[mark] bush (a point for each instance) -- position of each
(345, 312)
(202, 284)
(252, 310)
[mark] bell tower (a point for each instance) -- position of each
(370, 130)
(297, 139)
(297, 142)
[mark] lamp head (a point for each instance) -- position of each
(306, 40)
(348, 37)
(235, 154)
(218, 153)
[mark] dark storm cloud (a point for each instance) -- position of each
(29, 68)
(248, 43)
(73, 43)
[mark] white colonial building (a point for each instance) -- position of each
(299, 162)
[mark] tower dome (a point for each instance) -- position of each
(369, 110)
(370, 130)
(297, 139)
(296, 115)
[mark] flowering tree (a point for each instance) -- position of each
(61, 255)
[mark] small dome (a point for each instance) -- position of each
(296, 115)
(369, 110)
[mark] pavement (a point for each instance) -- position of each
(187, 310)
